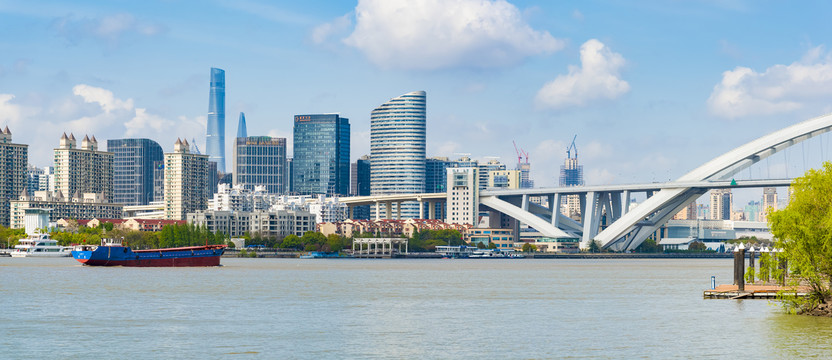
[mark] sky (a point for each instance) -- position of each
(650, 89)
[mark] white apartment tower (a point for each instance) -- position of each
(463, 196)
(397, 149)
(84, 169)
(14, 160)
(721, 203)
(769, 202)
(186, 181)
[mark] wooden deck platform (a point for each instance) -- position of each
(752, 291)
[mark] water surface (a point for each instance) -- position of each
(393, 309)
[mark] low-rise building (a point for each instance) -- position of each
(386, 227)
(85, 206)
(266, 223)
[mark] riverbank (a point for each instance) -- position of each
(233, 253)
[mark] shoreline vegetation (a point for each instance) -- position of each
(803, 230)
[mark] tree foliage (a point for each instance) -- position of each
(647, 246)
(697, 246)
(428, 240)
(804, 231)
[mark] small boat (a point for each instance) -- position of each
(320, 255)
(112, 252)
(40, 245)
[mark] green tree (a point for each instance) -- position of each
(594, 246)
(492, 245)
(291, 241)
(529, 247)
(697, 246)
(648, 246)
(804, 231)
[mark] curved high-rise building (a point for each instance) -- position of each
(215, 135)
(397, 149)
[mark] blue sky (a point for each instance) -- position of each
(652, 88)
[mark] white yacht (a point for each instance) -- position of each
(40, 245)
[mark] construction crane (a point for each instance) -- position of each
(570, 147)
(196, 148)
(520, 154)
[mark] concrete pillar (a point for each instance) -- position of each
(556, 209)
(398, 210)
(751, 263)
(421, 209)
(389, 206)
(351, 211)
(625, 205)
(431, 209)
(378, 210)
(739, 268)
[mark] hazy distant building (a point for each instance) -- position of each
(133, 170)
(260, 160)
(769, 202)
(14, 159)
(215, 135)
(397, 148)
(321, 155)
(721, 200)
(485, 169)
(83, 169)
(241, 126)
(186, 182)
(688, 213)
(40, 179)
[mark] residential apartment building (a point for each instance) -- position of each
(84, 206)
(463, 196)
(266, 223)
(186, 181)
(14, 159)
(83, 169)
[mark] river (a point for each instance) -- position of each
(393, 309)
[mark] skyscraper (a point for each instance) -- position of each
(14, 159)
(186, 181)
(397, 148)
(721, 200)
(241, 126)
(83, 170)
(360, 185)
(215, 136)
(260, 161)
(133, 167)
(572, 174)
(321, 156)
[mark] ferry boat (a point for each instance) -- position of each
(40, 245)
(112, 252)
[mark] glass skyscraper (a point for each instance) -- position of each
(397, 148)
(133, 168)
(260, 160)
(215, 135)
(321, 156)
(360, 185)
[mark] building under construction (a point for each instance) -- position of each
(571, 174)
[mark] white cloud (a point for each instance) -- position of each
(12, 114)
(143, 121)
(435, 34)
(780, 88)
(322, 33)
(110, 29)
(596, 78)
(102, 97)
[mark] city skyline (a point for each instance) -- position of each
(644, 110)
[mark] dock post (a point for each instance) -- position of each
(739, 269)
(751, 264)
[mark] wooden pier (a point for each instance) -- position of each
(751, 292)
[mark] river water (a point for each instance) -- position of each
(393, 309)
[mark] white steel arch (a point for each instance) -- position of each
(633, 228)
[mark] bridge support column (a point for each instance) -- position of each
(350, 212)
(398, 210)
(591, 216)
(626, 205)
(389, 206)
(421, 209)
(431, 209)
(555, 207)
(378, 210)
